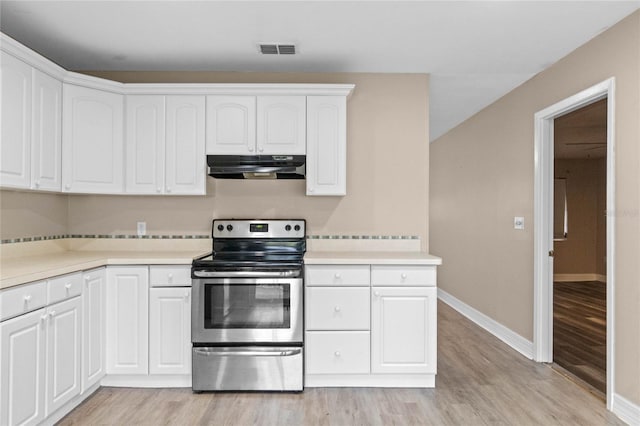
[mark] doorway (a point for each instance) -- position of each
(579, 245)
(544, 223)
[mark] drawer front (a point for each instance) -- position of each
(22, 299)
(64, 287)
(342, 308)
(337, 352)
(337, 275)
(403, 275)
(170, 276)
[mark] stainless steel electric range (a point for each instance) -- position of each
(247, 307)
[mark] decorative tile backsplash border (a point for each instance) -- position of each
(117, 237)
(189, 237)
(363, 237)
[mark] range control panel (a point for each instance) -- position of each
(273, 228)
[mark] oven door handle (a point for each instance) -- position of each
(245, 274)
(224, 352)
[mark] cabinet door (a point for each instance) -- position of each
(15, 149)
(403, 330)
(94, 327)
(170, 330)
(281, 125)
(127, 320)
(92, 141)
(326, 145)
(185, 158)
(231, 125)
(145, 144)
(64, 344)
(22, 369)
(46, 135)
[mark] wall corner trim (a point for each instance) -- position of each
(508, 336)
(626, 410)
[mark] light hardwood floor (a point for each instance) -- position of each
(481, 381)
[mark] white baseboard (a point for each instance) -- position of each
(508, 336)
(563, 278)
(370, 380)
(147, 381)
(626, 410)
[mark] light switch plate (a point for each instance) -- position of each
(142, 229)
(518, 222)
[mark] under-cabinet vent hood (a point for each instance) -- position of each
(256, 166)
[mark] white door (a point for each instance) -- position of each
(92, 141)
(170, 330)
(64, 345)
(231, 125)
(281, 125)
(94, 327)
(326, 145)
(185, 157)
(403, 330)
(145, 144)
(15, 149)
(127, 320)
(22, 368)
(46, 134)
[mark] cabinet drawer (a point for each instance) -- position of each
(336, 275)
(331, 308)
(403, 275)
(170, 275)
(64, 287)
(337, 352)
(25, 298)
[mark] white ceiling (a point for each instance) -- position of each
(475, 51)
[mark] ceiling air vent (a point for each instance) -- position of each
(277, 49)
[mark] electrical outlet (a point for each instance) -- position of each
(142, 228)
(518, 222)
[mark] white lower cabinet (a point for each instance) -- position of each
(366, 327)
(22, 363)
(127, 320)
(403, 330)
(337, 352)
(64, 343)
(170, 330)
(94, 327)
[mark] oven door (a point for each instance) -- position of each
(246, 310)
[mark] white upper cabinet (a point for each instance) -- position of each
(92, 141)
(281, 125)
(145, 144)
(15, 145)
(231, 125)
(165, 144)
(46, 136)
(326, 145)
(185, 153)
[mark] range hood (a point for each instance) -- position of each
(256, 166)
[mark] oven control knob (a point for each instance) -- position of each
(229, 228)
(287, 228)
(297, 227)
(220, 228)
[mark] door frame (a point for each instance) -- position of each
(543, 222)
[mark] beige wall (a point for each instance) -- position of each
(387, 172)
(32, 214)
(585, 247)
(482, 176)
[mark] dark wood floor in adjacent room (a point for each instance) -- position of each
(481, 381)
(580, 331)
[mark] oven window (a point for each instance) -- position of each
(247, 306)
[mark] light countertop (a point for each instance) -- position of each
(370, 257)
(24, 269)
